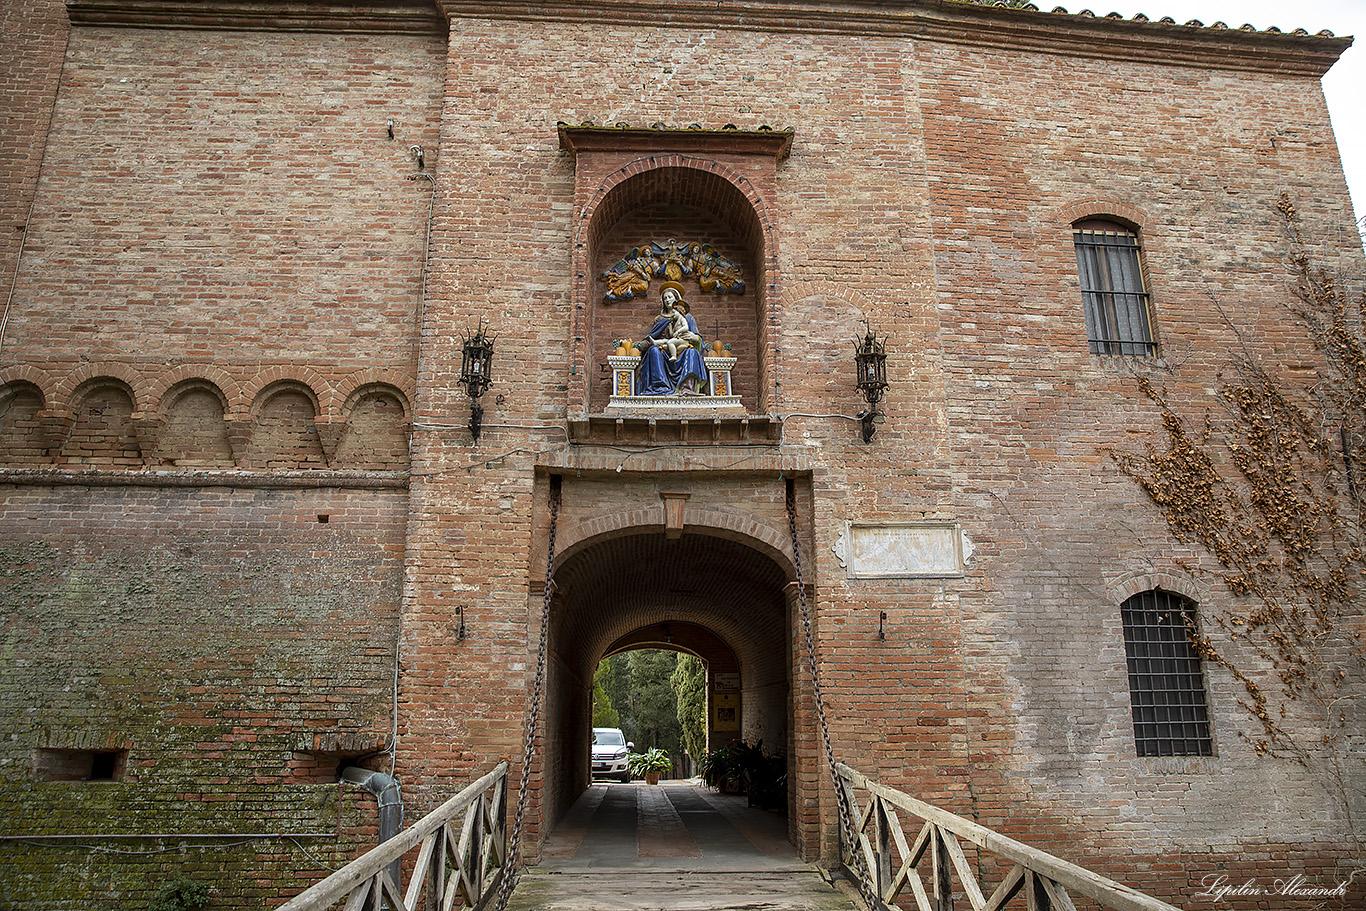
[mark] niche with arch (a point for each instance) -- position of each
(656, 219)
(194, 432)
(23, 437)
(284, 434)
(676, 190)
(376, 435)
(102, 432)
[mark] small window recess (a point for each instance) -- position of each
(1166, 680)
(79, 765)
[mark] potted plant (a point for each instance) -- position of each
(741, 767)
(650, 764)
(719, 769)
(764, 776)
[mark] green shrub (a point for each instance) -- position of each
(180, 894)
(763, 778)
(719, 766)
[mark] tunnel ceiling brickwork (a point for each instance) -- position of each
(608, 591)
(680, 636)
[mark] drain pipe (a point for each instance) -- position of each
(385, 789)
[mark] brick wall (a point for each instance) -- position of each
(222, 279)
(1036, 414)
(926, 189)
(196, 210)
(36, 30)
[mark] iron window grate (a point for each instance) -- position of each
(1166, 683)
(1115, 299)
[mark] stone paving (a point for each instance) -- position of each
(674, 846)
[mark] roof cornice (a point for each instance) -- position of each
(951, 21)
(420, 16)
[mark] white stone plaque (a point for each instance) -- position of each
(901, 551)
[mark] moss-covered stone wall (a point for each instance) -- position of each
(231, 647)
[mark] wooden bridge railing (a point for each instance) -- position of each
(1043, 882)
(461, 857)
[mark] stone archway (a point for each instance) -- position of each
(708, 591)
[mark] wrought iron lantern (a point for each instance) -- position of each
(870, 361)
(476, 372)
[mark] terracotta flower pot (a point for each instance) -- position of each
(652, 778)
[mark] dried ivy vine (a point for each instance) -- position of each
(1270, 484)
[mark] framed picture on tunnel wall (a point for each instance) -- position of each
(725, 711)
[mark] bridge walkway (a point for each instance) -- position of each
(675, 846)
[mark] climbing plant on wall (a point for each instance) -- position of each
(1270, 483)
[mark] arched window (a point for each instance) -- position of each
(1112, 290)
(1166, 683)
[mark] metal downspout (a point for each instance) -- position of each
(386, 791)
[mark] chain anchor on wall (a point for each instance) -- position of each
(533, 712)
(848, 834)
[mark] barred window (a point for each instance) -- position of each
(1166, 684)
(1112, 291)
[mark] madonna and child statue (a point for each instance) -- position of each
(671, 352)
(670, 369)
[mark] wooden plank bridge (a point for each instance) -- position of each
(680, 847)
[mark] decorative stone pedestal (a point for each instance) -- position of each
(719, 368)
(623, 375)
(719, 401)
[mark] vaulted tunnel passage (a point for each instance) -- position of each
(714, 597)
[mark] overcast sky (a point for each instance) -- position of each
(1345, 84)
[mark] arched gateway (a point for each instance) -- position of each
(675, 255)
(711, 580)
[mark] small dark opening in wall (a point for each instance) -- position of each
(79, 765)
(104, 766)
(323, 517)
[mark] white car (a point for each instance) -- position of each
(609, 754)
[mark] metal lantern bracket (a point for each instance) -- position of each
(870, 363)
(476, 373)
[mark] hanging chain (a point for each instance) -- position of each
(849, 837)
(512, 860)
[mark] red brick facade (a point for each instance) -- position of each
(237, 484)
